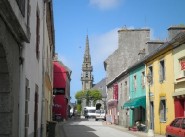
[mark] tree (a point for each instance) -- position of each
(92, 94)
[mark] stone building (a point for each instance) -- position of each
(87, 78)
(101, 86)
(26, 44)
(130, 43)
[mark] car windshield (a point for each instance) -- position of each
(102, 111)
(91, 111)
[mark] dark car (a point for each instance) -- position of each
(176, 128)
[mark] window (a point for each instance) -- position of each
(162, 71)
(125, 90)
(27, 98)
(86, 75)
(163, 110)
(37, 33)
(143, 79)
(28, 14)
(120, 91)
(150, 69)
(135, 82)
(182, 67)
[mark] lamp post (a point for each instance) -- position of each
(150, 130)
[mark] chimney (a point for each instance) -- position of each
(153, 45)
(174, 30)
(141, 54)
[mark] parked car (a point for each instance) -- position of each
(100, 115)
(176, 128)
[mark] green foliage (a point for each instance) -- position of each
(88, 95)
(79, 108)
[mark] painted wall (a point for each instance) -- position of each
(179, 80)
(140, 87)
(179, 53)
(60, 82)
(160, 90)
(137, 90)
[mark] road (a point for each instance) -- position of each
(88, 128)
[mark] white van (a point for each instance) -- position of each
(89, 112)
(100, 115)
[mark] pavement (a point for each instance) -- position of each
(59, 131)
(136, 133)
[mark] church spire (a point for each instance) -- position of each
(87, 47)
(87, 78)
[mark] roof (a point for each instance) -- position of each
(177, 40)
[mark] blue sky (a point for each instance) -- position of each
(101, 19)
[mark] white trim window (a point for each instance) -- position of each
(135, 82)
(163, 110)
(182, 67)
(162, 72)
(150, 71)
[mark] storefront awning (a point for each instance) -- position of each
(136, 102)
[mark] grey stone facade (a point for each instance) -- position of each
(9, 82)
(130, 42)
(21, 66)
(132, 46)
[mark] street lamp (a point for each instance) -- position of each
(150, 130)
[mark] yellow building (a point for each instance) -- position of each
(160, 89)
(161, 106)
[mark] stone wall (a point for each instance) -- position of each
(130, 42)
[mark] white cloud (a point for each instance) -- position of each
(105, 4)
(102, 46)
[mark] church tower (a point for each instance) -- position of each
(87, 78)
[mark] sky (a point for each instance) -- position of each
(101, 20)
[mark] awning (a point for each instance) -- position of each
(136, 102)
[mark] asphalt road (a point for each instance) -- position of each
(88, 128)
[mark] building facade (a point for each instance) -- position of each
(61, 91)
(160, 89)
(130, 43)
(21, 66)
(179, 75)
(137, 102)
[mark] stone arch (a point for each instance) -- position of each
(9, 83)
(98, 105)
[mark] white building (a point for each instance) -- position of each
(25, 31)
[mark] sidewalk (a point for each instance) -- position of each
(136, 133)
(59, 130)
